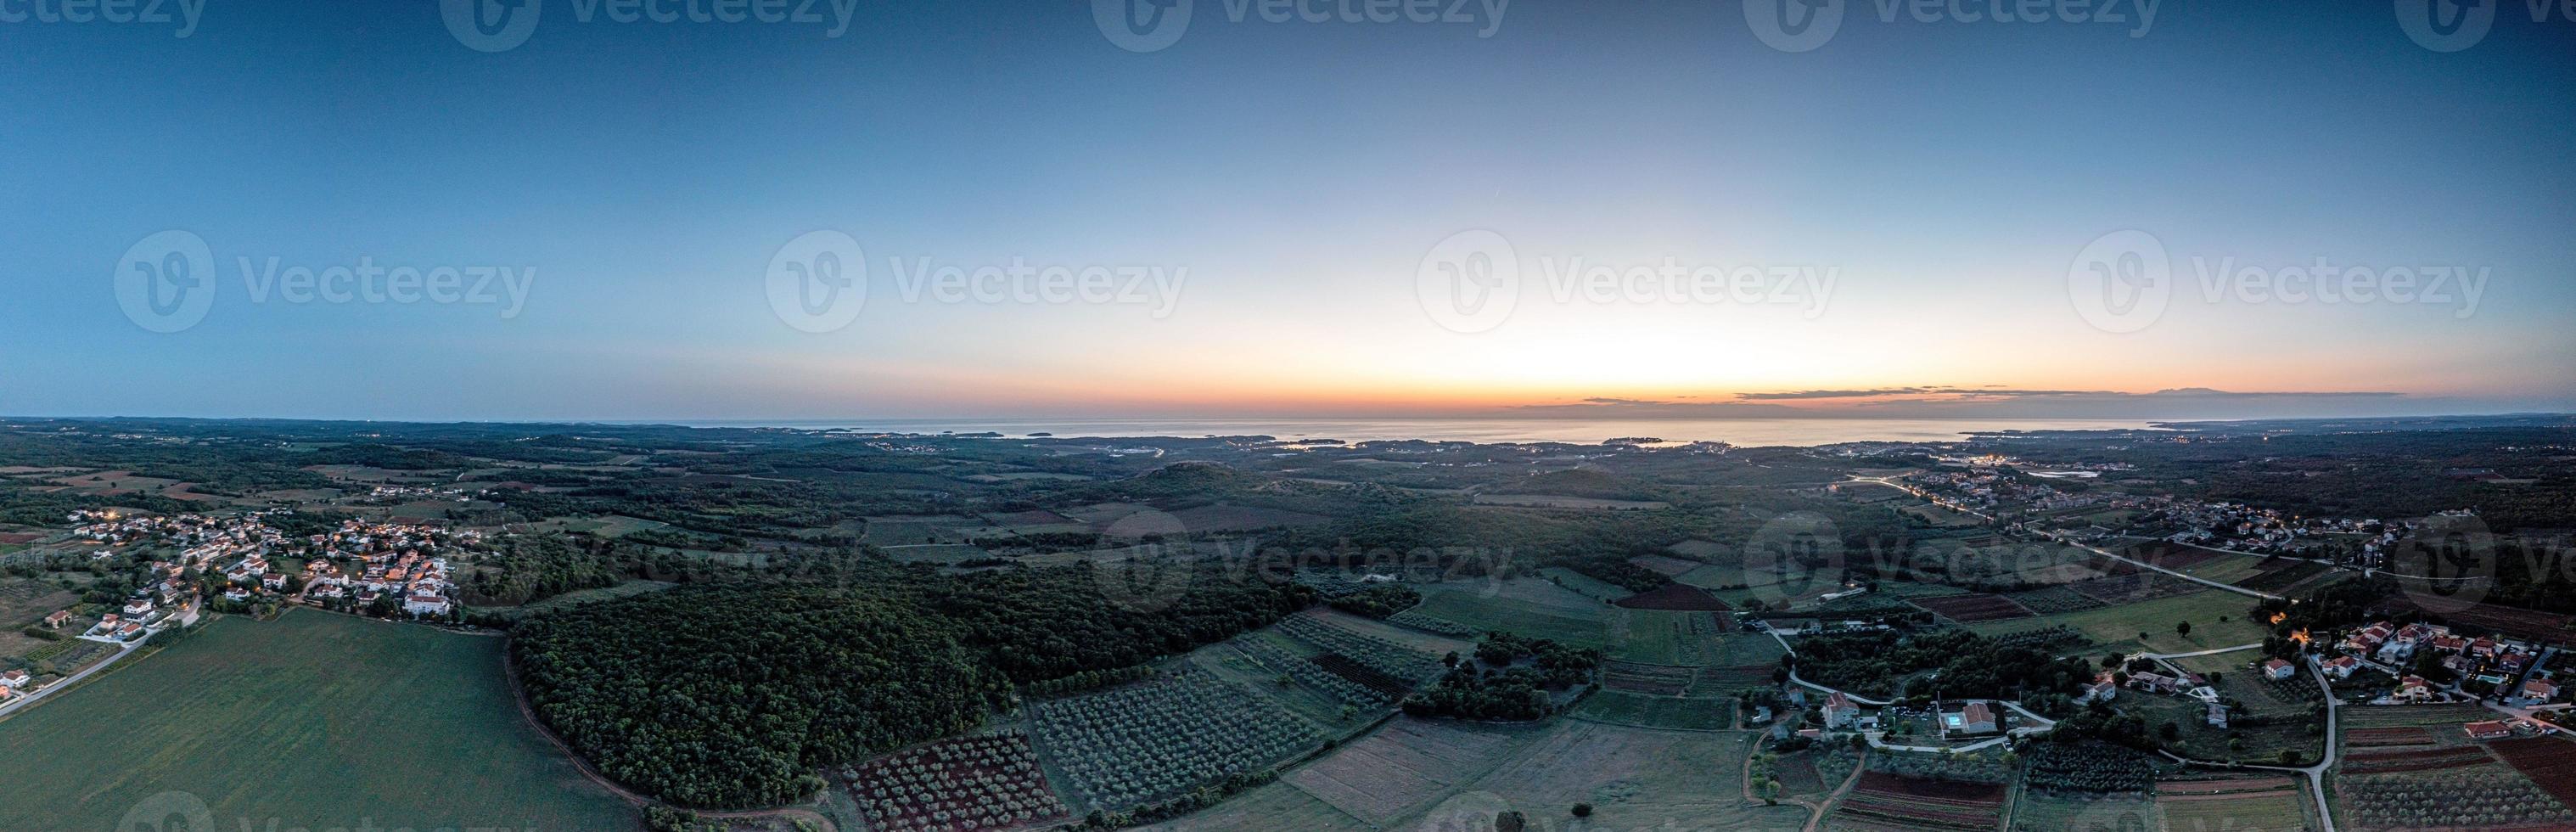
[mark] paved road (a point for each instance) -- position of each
(2316, 774)
(29, 701)
(2192, 578)
(2095, 549)
(2255, 646)
(1793, 675)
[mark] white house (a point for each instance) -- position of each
(425, 605)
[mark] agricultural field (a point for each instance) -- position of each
(990, 782)
(611, 525)
(1635, 778)
(579, 597)
(1465, 605)
(1648, 679)
(1229, 518)
(1882, 800)
(2278, 576)
(404, 725)
(2392, 760)
(1670, 567)
(1405, 768)
(1345, 686)
(2248, 804)
(2085, 812)
(2227, 570)
(1647, 711)
(910, 533)
(1974, 608)
(1434, 626)
(1556, 501)
(2411, 716)
(1356, 648)
(26, 601)
(941, 553)
(2485, 796)
(1277, 805)
(1673, 596)
(1658, 637)
(2195, 738)
(2090, 768)
(1148, 741)
(1939, 517)
(2551, 762)
(2119, 625)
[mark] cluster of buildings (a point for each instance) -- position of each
(420, 583)
(364, 562)
(1973, 717)
(358, 563)
(2504, 668)
(2222, 525)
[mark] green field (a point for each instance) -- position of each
(583, 596)
(1662, 636)
(1657, 711)
(2083, 812)
(1499, 612)
(2120, 625)
(313, 720)
(1586, 584)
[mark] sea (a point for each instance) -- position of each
(1743, 432)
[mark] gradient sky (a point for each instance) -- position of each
(1949, 173)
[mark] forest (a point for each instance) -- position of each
(730, 695)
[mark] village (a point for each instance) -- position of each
(186, 565)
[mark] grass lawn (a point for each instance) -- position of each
(2157, 617)
(315, 720)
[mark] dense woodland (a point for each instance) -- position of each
(730, 695)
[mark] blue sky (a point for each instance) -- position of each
(1288, 180)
